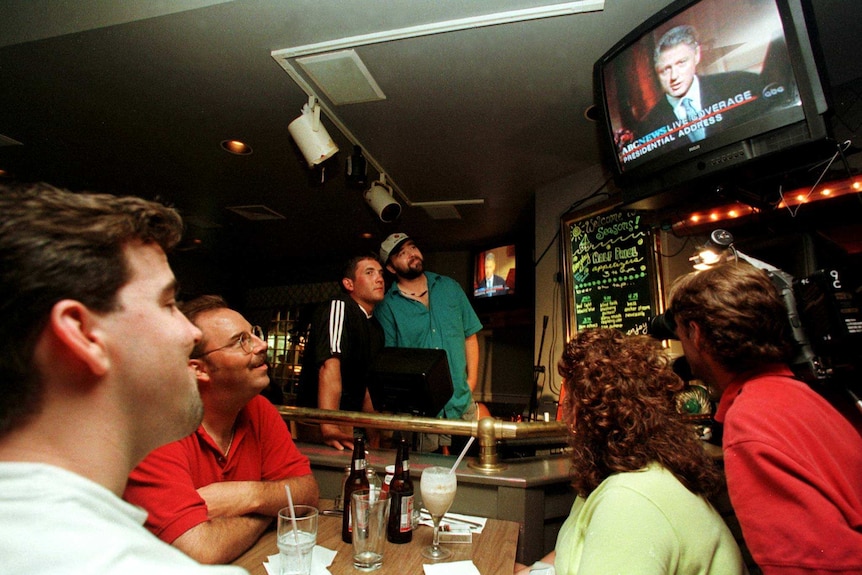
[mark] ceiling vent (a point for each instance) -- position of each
(7, 141)
(342, 76)
(256, 213)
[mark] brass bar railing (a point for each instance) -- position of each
(487, 430)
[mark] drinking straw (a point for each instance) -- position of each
(292, 512)
(463, 453)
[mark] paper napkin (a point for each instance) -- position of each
(321, 558)
(453, 568)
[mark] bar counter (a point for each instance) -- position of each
(492, 551)
(534, 493)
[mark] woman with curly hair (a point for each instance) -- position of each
(642, 477)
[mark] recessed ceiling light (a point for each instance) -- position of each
(236, 147)
(366, 235)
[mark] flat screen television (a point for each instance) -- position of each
(410, 381)
(705, 86)
(494, 272)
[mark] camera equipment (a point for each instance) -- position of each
(830, 318)
(823, 312)
(825, 319)
(662, 326)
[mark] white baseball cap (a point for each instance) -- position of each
(391, 244)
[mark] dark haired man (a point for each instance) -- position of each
(793, 462)
(345, 338)
(213, 493)
(426, 310)
(93, 375)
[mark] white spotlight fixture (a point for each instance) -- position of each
(311, 136)
(379, 197)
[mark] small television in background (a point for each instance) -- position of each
(758, 93)
(410, 381)
(494, 272)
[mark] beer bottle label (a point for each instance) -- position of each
(361, 516)
(406, 513)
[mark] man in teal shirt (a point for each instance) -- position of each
(426, 310)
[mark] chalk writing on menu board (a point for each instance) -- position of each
(610, 272)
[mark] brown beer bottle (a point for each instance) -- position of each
(400, 526)
(355, 481)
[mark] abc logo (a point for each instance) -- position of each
(773, 90)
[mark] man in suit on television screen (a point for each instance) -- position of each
(695, 106)
(491, 284)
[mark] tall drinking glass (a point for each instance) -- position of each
(438, 487)
(297, 536)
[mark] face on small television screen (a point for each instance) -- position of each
(494, 272)
(716, 66)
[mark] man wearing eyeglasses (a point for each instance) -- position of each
(213, 493)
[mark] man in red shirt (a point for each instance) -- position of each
(793, 461)
(213, 493)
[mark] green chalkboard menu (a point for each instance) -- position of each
(611, 271)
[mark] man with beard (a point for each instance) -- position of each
(426, 310)
(214, 493)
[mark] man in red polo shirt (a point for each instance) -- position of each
(213, 493)
(793, 461)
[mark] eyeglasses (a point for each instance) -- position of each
(245, 342)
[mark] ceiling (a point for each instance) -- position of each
(137, 97)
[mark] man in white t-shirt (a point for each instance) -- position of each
(95, 373)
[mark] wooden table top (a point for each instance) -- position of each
(492, 551)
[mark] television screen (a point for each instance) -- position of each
(494, 272)
(701, 79)
(410, 381)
